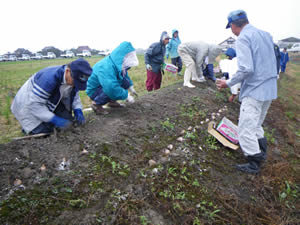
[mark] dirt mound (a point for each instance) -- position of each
(100, 173)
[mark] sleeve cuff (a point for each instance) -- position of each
(228, 82)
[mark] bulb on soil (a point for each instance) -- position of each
(151, 162)
(180, 139)
(84, 151)
(43, 167)
(166, 152)
(190, 128)
(155, 170)
(17, 182)
(170, 146)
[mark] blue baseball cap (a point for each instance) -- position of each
(80, 72)
(235, 15)
(230, 52)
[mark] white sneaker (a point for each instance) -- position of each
(189, 85)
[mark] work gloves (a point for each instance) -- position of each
(130, 98)
(60, 122)
(79, 116)
(131, 89)
(149, 67)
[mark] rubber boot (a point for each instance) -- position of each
(253, 165)
(187, 78)
(262, 142)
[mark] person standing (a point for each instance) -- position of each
(154, 60)
(110, 81)
(171, 50)
(284, 59)
(48, 97)
(194, 55)
(258, 77)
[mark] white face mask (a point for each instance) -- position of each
(130, 60)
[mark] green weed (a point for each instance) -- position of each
(211, 142)
(167, 125)
(144, 220)
(270, 135)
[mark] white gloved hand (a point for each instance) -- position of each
(131, 89)
(149, 67)
(130, 99)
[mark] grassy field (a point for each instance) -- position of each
(289, 95)
(14, 74)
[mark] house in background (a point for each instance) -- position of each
(288, 42)
(228, 43)
(81, 48)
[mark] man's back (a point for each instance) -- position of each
(256, 58)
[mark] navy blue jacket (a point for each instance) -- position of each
(155, 54)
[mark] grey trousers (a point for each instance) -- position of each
(252, 116)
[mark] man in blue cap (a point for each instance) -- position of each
(48, 97)
(258, 76)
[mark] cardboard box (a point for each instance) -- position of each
(228, 130)
(220, 137)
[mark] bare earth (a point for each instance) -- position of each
(54, 181)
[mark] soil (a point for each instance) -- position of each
(100, 174)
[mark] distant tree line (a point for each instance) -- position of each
(56, 51)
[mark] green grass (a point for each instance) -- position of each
(14, 74)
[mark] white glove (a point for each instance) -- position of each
(131, 89)
(130, 99)
(149, 67)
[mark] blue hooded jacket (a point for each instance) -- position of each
(173, 46)
(108, 74)
(155, 54)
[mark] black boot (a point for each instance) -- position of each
(253, 165)
(263, 146)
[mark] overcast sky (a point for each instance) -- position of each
(102, 24)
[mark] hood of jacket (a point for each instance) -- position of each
(118, 54)
(173, 31)
(213, 52)
(163, 34)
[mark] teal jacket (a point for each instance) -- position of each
(108, 74)
(173, 45)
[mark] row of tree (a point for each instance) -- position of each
(56, 51)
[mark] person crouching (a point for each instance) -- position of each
(110, 81)
(48, 97)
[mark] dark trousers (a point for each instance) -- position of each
(100, 98)
(209, 72)
(177, 62)
(153, 81)
(47, 127)
(283, 67)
